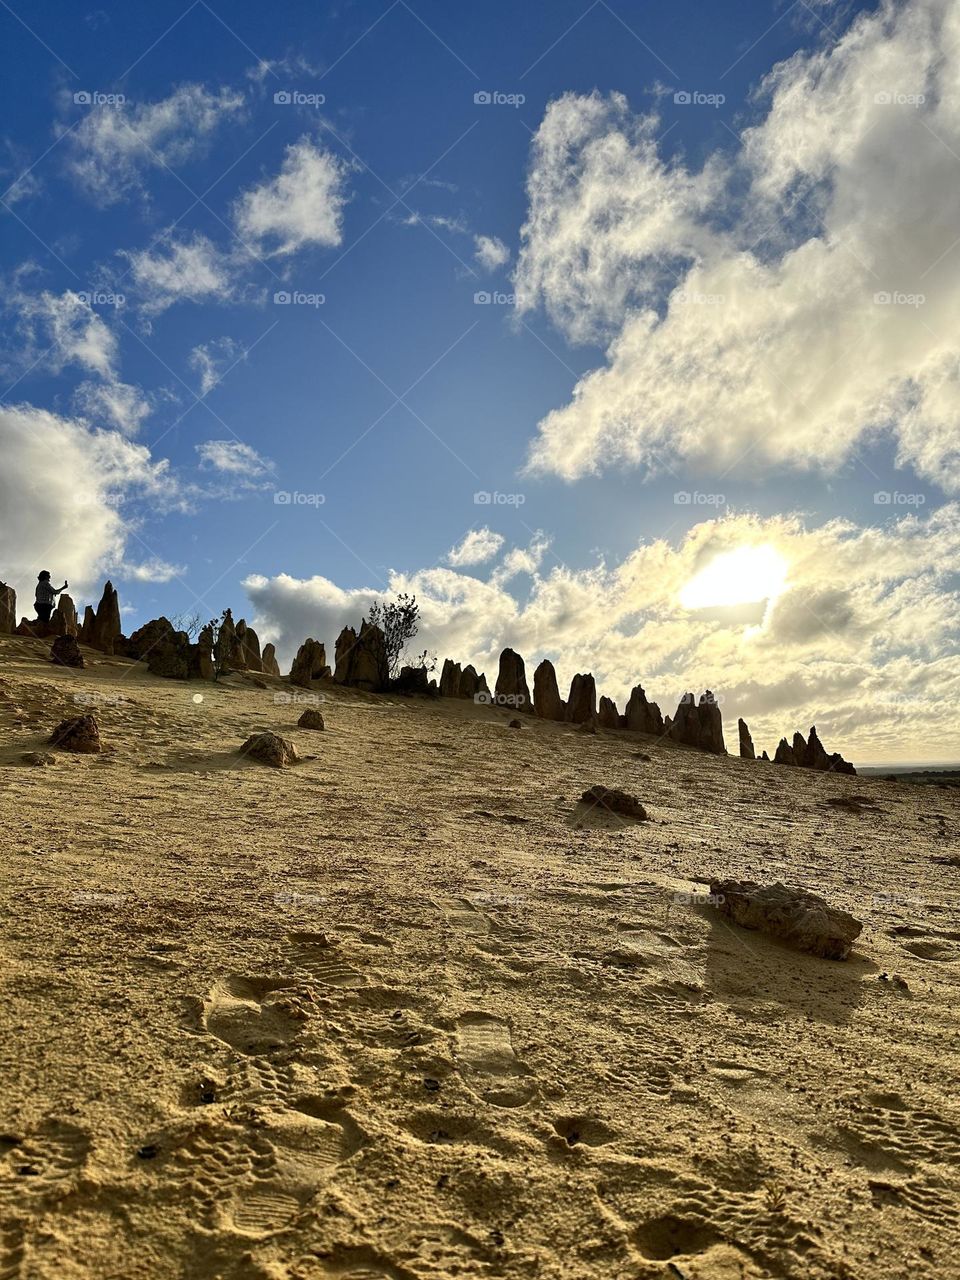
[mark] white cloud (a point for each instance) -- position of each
(188, 269)
(302, 205)
(113, 145)
(153, 570)
(213, 359)
(739, 300)
(478, 545)
(112, 403)
(62, 489)
(491, 253)
(862, 640)
(233, 458)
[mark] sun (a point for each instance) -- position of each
(747, 575)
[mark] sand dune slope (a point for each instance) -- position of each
(406, 1012)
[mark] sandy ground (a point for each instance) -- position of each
(402, 1012)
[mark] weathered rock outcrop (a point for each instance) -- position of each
(225, 646)
(206, 667)
(547, 702)
(65, 652)
(699, 724)
(309, 664)
(173, 657)
(811, 754)
(642, 716)
(64, 616)
(247, 651)
(615, 801)
(608, 717)
(79, 733)
(512, 690)
(747, 751)
(269, 748)
(362, 658)
(8, 609)
(269, 661)
(146, 638)
(412, 680)
(582, 702)
(450, 679)
(106, 628)
(87, 626)
(472, 685)
(801, 919)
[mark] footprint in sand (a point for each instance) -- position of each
(488, 1063)
(253, 1015)
(40, 1164)
(323, 961)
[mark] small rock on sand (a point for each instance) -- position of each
(801, 919)
(269, 748)
(79, 733)
(615, 801)
(311, 719)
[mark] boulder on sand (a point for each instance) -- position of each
(582, 702)
(65, 652)
(311, 719)
(512, 689)
(801, 919)
(309, 664)
(269, 748)
(747, 751)
(79, 733)
(615, 801)
(547, 702)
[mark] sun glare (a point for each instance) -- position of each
(745, 576)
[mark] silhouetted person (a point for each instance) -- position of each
(46, 596)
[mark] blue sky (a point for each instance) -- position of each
(383, 202)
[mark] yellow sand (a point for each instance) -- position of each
(401, 1013)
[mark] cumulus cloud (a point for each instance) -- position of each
(478, 545)
(784, 302)
(861, 638)
(490, 252)
(301, 206)
(234, 458)
(180, 269)
(113, 145)
(63, 485)
(153, 570)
